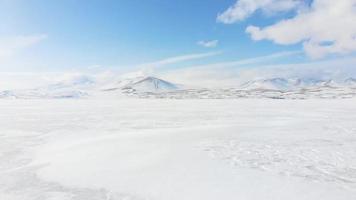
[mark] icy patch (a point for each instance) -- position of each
(316, 160)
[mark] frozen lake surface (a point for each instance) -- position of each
(143, 149)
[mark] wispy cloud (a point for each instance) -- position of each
(208, 44)
(222, 73)
(213, 76)
(11, 45)
(178, 59)
(248, 61)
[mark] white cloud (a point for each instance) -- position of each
(208, 44)
(327, 27)
(9, 46)
(242, 9)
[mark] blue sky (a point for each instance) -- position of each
(124, 34)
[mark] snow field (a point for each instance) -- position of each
(177, 149)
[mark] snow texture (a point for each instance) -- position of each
(133, 149)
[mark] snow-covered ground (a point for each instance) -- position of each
(161, 149)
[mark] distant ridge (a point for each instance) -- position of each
(153, 87)
(284, 84)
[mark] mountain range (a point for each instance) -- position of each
(153, 87)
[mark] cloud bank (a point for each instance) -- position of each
(324, 28)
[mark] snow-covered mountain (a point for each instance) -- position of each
(80, 82)
(284, 84)
(276, 88)
(271, 84)
(350, 82)
(150, 84)
(117, 83)
(138, 85)
(84, 86)
(70, 87)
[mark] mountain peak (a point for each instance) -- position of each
(151, 84)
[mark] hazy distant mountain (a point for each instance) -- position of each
(76, 82)
(284, 84)
(73, 87)
(350, 82)
(271, 84)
